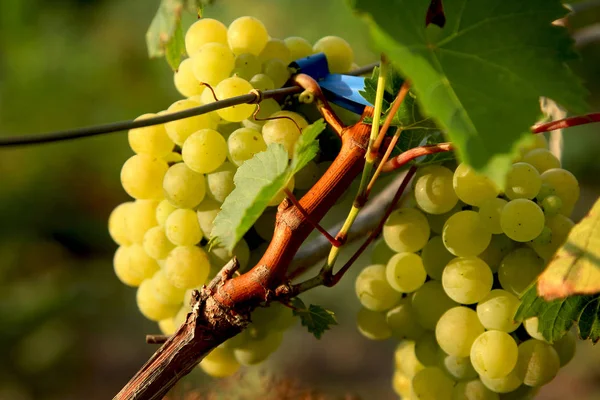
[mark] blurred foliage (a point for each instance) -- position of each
(69, 328)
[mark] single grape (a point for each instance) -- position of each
(464, 235)
(172, 158)
(243, 144)
(522, 181)
(560, 226)
(473, 390)
(519, 269)
(149, 304)
(565, 186)
(541, 159)
(232, 87)
(185, 80)
(372, 324)
(151, 140)
(275, 48)
(405, 272)
(532, 142)
(497, 311)
(433, 188)
(132, 265)
(220, 363)
(538, 362)
(435, 257)
(489, 212)
(205, 30)
(403, 322)
(432, 383)
(212, 63)
(503, 384)
(220, 181)
(285, 129)
(405, 359)
(142, 175)
(163, 210)
(373, 289)
(401, 384)
(531, 326)
(262, 82)
(459, 367)
(183, 187)
(544, 238)
(307, 176)
(141, 217)
(338, 52)
(165, 292)
(256, 351)
(187, 267)
(456, 331)
(204, 151)
(206, 213)
(247, 65)
(494, 354)
(499, 246)
(565, 347)
(299, 47)
(247, 35)
(181, 129)
(182, 227)
(117, 224)
(156, 243)
(551, 205)
(427, 350)
(522, 220)
(430, 302)
(467, 280)
(471, 187)
(277, 70)
(406, 230)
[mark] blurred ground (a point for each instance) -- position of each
(68, 328)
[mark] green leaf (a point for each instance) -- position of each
(315, 318)
(257, 181)
(589, 322)
(555, 317)
(165, 35)
(481, 75)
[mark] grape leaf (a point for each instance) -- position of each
(575, 268)
(315, 318)
(589, 322)
(481, 75)
(556, 317)
(257, 181)
(165, 36)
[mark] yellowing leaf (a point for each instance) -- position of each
(575, 269)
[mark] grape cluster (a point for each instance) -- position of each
(183, 170)
(448, 272)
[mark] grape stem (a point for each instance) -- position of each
(566, 123)
(411, 154)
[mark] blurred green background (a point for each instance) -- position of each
(68, 328)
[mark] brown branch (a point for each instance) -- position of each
(413, 153)
(566, 123)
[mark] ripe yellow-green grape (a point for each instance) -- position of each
(467, 280)
(519, 269)
(203, 31)
(247, 35)
(185, 81)
(433, 189)
(406, 230)
(372, 324)
(183, 187)
(435, 257)
(457, 329)
(403, 321)
(187, 267)
(494, 354)
(246, 66)
(277, 70)
(232, 87)
(167, 326)
(220, 363)
(212, 63)
(430, 302)
(181, 129)
(141, 217)
(432, 383)
(338, 52)
(522, 220)
(142, 175)
(117, 224)
(541, 159)
(565, 186)
(497, 310)
(151, 140)
(163, 210)
(299, 47)
(206, 213)
(471, 187)
(499, 246)
(538, 363)
(373, 289)
(405, 359)
(204, 151)
(464, 234)
(262, 82)
(504, 384)
(401, 384)
(149, 304)
(156, 244)
(284, 128)
(243, 144)
(129, 273)
(165, 291)
(219, 256)
(489, 212)
(275, 48)
(220, 182)
(182, 227)
(405, 272)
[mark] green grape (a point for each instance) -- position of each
(208, 97)
(405, 359)
(243, 144)
(381, 253)
(275, 48)
(503, 384)
(285, 129)
(565, 186)
(401, 384)
(499, 246)
(437, 221)
(531, 326)
(262, 82)
(489, 212)
(132, 265)
(471, 187)
(220, 181)
(206, 213)
(497, 311)
(247, 35)
(232, 87)
(373, 289)
(182, 227)
(405, 272)
(247, 65)
(149, 304)
(204, 151)
(256, 351)
(338, 52)
(456, 331)
(406, 230)
(156, 244)
(494, 354)
(538, 362)
(185, 81)
(430, 302)
(307, 176)
(165, 292)
(433, 188)
(522, 181)
(541, 159)
(565, 347)
(150, 140)
(464, 234)
(266, 108)
(187, 267)
(543, 238)
(459, 367)
(141, 217)
(467, 280)
(181, 129)
(545, 191)
(522, 220)
(372, 324)
(172, 158)
(265, 224)
(519, 269)
(274, 317)
(212, 63)
(117, 224)
(278, 198)
(277, 70)
(431, 383)
(167, 326)
(142, 175)
(203, 31)
(299, 47)
(163, 210)
(560, 226)
(427, 350)
(403, 322)
(220, 363)
(533, 142)
(219, 256)
(183, 187)
(238, 340)
(473, 390)
(551, 205)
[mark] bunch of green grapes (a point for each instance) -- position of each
(448, 273)
(182, 172)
